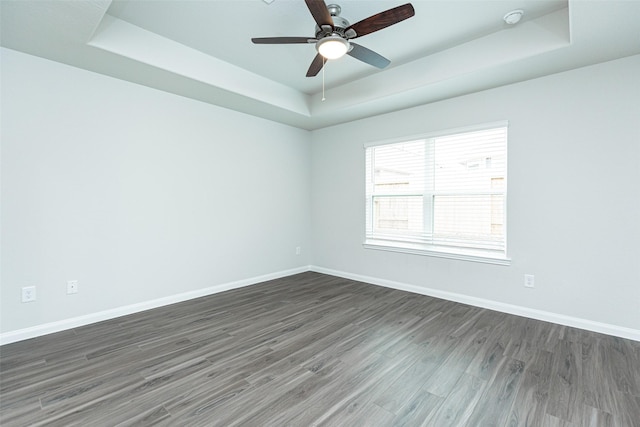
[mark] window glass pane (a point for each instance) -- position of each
(445, 193)
(398, 215)
(469, 161)
(399, 168)
(468, 221)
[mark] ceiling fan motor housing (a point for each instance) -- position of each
(340, 24)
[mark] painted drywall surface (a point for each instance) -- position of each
(136, 193)
(573, 195)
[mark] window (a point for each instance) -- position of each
(442, 195)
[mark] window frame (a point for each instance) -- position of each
(451, 252)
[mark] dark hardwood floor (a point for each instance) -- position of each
(312, 349)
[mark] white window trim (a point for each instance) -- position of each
(435, 134)
(451, 253)
(481, 256)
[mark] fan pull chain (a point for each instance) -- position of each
(324, 62)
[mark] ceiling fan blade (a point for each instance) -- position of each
(368, 56)
(382, 20)
(316, 66)
(320, 13)
(282, 40)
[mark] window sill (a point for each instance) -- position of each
(417, 249)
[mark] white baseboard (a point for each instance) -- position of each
(48, 328)
(561, 319)
(74, 322)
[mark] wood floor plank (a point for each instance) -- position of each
(457, 407)
(369, 415)
(351, 380)
(312, 349)
(551, 421)
(361, 394)
(566, 385)
(494, 407)
(455, 355)
(418, 410)
(530, 405)
(600, 393)
(258, 399)
(405, 386)
(292, 395)
(623, 365)
(592, 417)
(627, 409)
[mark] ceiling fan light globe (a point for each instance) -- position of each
(332, 47)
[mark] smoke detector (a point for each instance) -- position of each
(513, 17)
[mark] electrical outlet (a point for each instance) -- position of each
(72, 287)
(529, 281)
(298, 250)
(28, 294)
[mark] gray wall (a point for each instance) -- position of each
(136, 193)
(573, 195)
(143, 195)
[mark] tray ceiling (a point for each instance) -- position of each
(203, 49)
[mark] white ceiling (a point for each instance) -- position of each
(203, 49)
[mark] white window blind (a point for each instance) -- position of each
(444, 194)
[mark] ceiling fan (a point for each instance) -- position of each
(334, 34)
